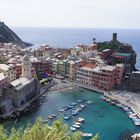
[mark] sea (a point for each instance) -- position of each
(70, 37)
(111, 122)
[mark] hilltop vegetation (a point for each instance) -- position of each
(40, 131)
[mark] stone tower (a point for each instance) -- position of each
(114, 38)
(26, 67)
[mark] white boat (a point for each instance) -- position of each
(77, 123)
(76, 126)
(133, 116)
(45, 121)
(74, 113)
(82, 106)
(136, 120)
(50, 117)
(118, 105)
(73, 128)
(87, 134)
(67, 117)
(137, 123)
(89, 102)
(73, 104)
(81, 120)
(125, 108)
(62, 110)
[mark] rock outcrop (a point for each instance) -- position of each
(7, 36)
(119, 47)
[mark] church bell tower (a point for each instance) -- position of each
(26, 67)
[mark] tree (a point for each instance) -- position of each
(42, 131)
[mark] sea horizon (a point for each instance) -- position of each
(70, 37)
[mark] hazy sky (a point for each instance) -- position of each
(71, 13)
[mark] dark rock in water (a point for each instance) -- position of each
(7, 36)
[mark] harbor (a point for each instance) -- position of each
(99, 116)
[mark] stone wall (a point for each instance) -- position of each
(134, 82)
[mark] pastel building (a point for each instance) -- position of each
(9, 72)
(41, 67)
(102, 77)
(73, 66)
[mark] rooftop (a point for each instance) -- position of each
(4, 67)
(98, 69)
(2, 76)
(21, 82)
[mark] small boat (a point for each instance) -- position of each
(136, 120)
(125, 108)
(78, 109)
(112, 102)
(45, 121)
(89, 102)
(74, 113)
(130, 112)
(50, 117)
(82, 106)
(54, 116)
(81, 120)
(77, 123)
(87, 134)
(118, 105)
(73, 104)
(67, 117)
(76, 126)
(79, 101)
(137, 123)
(70, 106)
(62, 110)
(133, 116)
(73, 128)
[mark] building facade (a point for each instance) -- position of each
(100, 77)
(9, 72)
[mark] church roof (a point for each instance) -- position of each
(21, 82)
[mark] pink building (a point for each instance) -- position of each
(101, 77)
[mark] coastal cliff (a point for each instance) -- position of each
(8, 36)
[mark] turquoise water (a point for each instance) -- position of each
(111, 122)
